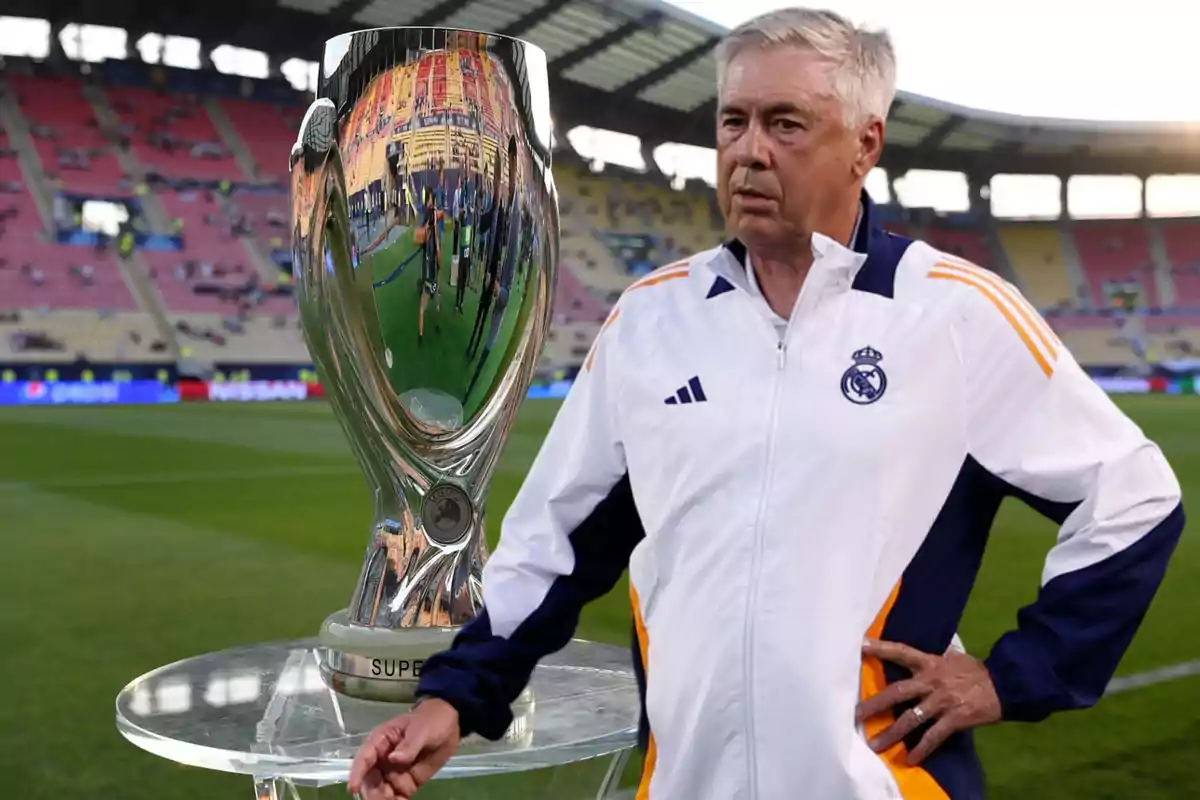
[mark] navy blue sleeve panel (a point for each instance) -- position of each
(482, 674)
(937, 583)
(1069, 641)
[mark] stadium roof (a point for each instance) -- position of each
(646, 67)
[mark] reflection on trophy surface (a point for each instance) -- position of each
(425, 226)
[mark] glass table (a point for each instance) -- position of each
(265, 712)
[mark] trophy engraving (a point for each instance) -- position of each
(425, 238)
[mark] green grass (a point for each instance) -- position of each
(133, 537)
(439, 360)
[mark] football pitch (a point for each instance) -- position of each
(134, 537)
(396, 273)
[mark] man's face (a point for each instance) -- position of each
(785, 159)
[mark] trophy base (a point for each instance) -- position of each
(381, 664)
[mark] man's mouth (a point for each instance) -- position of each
(747, 192)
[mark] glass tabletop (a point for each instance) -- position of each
(264, 710)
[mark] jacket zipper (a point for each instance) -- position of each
(802, 302)
(755, 562)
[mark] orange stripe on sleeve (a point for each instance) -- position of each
(587, 365)
(1031, 317)
(1012, 321)
(651, 280)
(655, 278)
(915, 782)
(643, 789)
(683, 262)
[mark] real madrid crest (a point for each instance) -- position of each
(865, 381)
(446, 513)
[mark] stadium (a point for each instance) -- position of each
(155, 505)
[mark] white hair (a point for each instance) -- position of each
(863, 63)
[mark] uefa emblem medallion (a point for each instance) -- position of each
(865, 381)
(446, 513)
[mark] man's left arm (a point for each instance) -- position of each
(1039, 423)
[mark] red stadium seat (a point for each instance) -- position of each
(22, 244)
(182, 117)
(207, 241)
(966, 244)
(1116, 252)
(1182, 241)
(268, 131)
(59, 105)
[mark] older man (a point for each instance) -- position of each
(797, 440)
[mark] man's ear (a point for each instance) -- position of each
(870, 147)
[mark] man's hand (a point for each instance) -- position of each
(954, 691)
(402, 754)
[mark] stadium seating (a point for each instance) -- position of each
(212, 260)
(574, 302)
(1114, 253)
(1182, 243)
(104, 338)
(266, 215)
(207, 241)
(72, 149)
(173, 134)
(1097, 346)
(593, 263)
(613, 229)
(267, 131)
(257, 340)
(38, 274)
(567, 343)
(1036, 255)
(970, 245)
(615, 225)
(21, 221)
(1182, 343)
(61, 277)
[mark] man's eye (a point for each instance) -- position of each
(788, 125)
(732, 122)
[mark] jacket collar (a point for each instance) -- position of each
(828, 254)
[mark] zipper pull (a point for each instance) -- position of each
(782, 349)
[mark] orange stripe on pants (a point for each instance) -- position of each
(914, 782)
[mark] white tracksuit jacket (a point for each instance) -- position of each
(777, 498)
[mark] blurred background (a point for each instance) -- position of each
(154, 505)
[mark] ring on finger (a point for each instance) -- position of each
(919, 715)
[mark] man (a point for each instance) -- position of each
(496, 222)
(431, 254)
(794, 440)
(465, 224)
(500, 280)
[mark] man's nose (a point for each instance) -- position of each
(754, 148)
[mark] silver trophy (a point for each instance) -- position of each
(425, 239)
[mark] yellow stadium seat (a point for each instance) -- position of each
(1036, 255)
